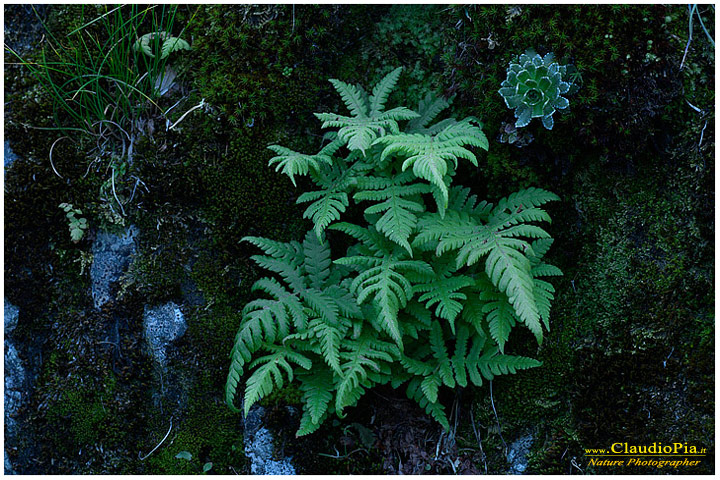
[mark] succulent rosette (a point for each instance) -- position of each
(533, 88)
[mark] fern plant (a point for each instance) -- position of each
(430, 289)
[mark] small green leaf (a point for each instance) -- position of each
(172, 44)
(207, 467)
(185, 455)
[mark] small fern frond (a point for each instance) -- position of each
(429, 154)
(501, 316)
(330, 338)
(322, 304)
(444, 291)
(317, 260)
(434, 409)
(543, 296)
(267, 374)
(364, 360)
(492, 363)
(473, 313)
(317, 395)
(282, 258)
(540, 247)
(332, 200)
(292, 163)
(440, 354)
(458, 359)
(499, 364)
(233, 379)
(325, 209)
(388, 286)
(382, 90)
(353, 97)
(399, 212)
(428, 109)
(524, 199)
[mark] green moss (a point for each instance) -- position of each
(86, 414)
(240, 70)
(410, 37)
(210, 433)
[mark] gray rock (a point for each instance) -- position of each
(163, 325)
(8, 466)
(10, 156)
(260, 447)
(111, 256)
(517, 455)
(11, 317)
(15, 383)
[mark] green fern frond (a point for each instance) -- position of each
(492, 363)
(330, 338)
(317, 395)
(389, 287)
(458, 358)
(325, 209)
(317, 260)
(281, 258)
(495, 363)
(353, 96)
(473, 313)
(290, 300)
(399, 212)
(364, 360)
(323, 304)
(308, 425)
(382, 90)
(368, 121)
(543, 296)
(434, 409)
(509, 270)
(440, 354)
(330, 202)
(292, 163)
(501, 316)
(546, 270)
(428, 108)
(524, 200)
(540, 247)
(415, 367)
(444, 291)
(233, 379)
(173, 44)
(360, 132)
(267, 374)
(429, 154)
(445, 233)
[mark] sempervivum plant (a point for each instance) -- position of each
(533, 88)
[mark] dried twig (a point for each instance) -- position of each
(497, 419)
(482, 452)
(50, 155)
(158, 445)
(199, 105)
